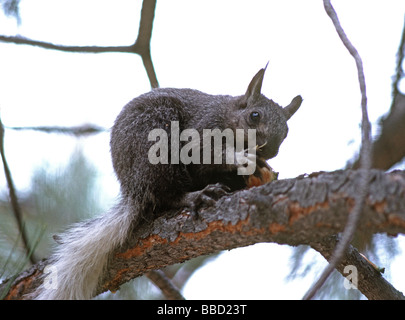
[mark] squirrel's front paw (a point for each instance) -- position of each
(205, 197)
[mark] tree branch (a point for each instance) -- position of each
(365, 153)
(78, 131)
(78, 49)
(370, 280)
(294, 211)
(140, 47)
(14, 199)
(142, 43)
(159, 278)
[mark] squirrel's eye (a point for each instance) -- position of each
(255, 117)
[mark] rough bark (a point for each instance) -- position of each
(305, 210)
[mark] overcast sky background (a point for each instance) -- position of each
(212, 46)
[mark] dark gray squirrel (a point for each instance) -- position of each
(147, 189)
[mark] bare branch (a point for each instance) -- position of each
(294, 211)
(14, 199)
(82, 130)
(365, 159)
(140, 47)
(144, 37)
(159, 278)
(79, 49)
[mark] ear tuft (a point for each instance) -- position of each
(255, 85)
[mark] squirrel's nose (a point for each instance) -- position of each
(268, 151)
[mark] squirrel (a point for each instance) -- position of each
(147, 189)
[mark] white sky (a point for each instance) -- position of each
(216, 47)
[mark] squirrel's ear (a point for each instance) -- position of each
(292, 107)
(255, 86)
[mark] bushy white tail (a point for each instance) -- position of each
(79, 261)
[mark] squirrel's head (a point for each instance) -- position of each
(267, 117)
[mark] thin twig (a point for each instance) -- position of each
(159, 278)
(78, 49)
(144, 38)
(14, 200)
(77, 131)
(140, 47)
(365, 153)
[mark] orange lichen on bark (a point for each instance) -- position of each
(276, 228)
(147, 243)
(380, 206)
(151, 241)
(21, 286)
(296, 211)
(216, 226)
(114, 283)
(396, 220)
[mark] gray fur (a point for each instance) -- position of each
(147, 189)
